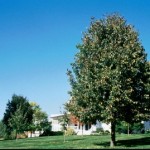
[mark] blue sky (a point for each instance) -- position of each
(38, 41)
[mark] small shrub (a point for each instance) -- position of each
(47, 132)
(13, 136)
(70, 131)
(21, 136)
(58, 133)
(106, 132)
(100, 130)
(147, 131)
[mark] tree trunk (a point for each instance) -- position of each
(128, 129)
(82, 130)
(64, 135)
(16, 134)
(113, 135)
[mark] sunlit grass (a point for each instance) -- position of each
(78, 142)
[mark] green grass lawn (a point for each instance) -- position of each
(78, 142)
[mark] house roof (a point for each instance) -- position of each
(56, 115)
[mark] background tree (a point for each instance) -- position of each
(64, 120)
(18, 121)
(12, 106)
(2, 130)
(123, 127)
(40, 118)
(47, 128)
(109, 78)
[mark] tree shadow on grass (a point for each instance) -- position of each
(103, 144)
(75, 139)
(134, 142)
(127, 143)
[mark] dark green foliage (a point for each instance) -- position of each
(110, 76)
(10, 112)
(2, 130)
(46, 128)
(52, 133)
(122, 127)
(137, 128)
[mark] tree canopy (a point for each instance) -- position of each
(109, 78)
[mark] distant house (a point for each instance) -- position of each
(146, 125)
(79, 128)
(55, 122)
(33, 133)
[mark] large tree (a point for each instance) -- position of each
(109, 76)
(14, 106)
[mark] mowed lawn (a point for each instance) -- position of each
(78, 142)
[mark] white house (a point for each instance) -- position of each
(34, 133)
(55, 122)
(80, 129)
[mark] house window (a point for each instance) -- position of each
(86, 127)
(89, 126)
